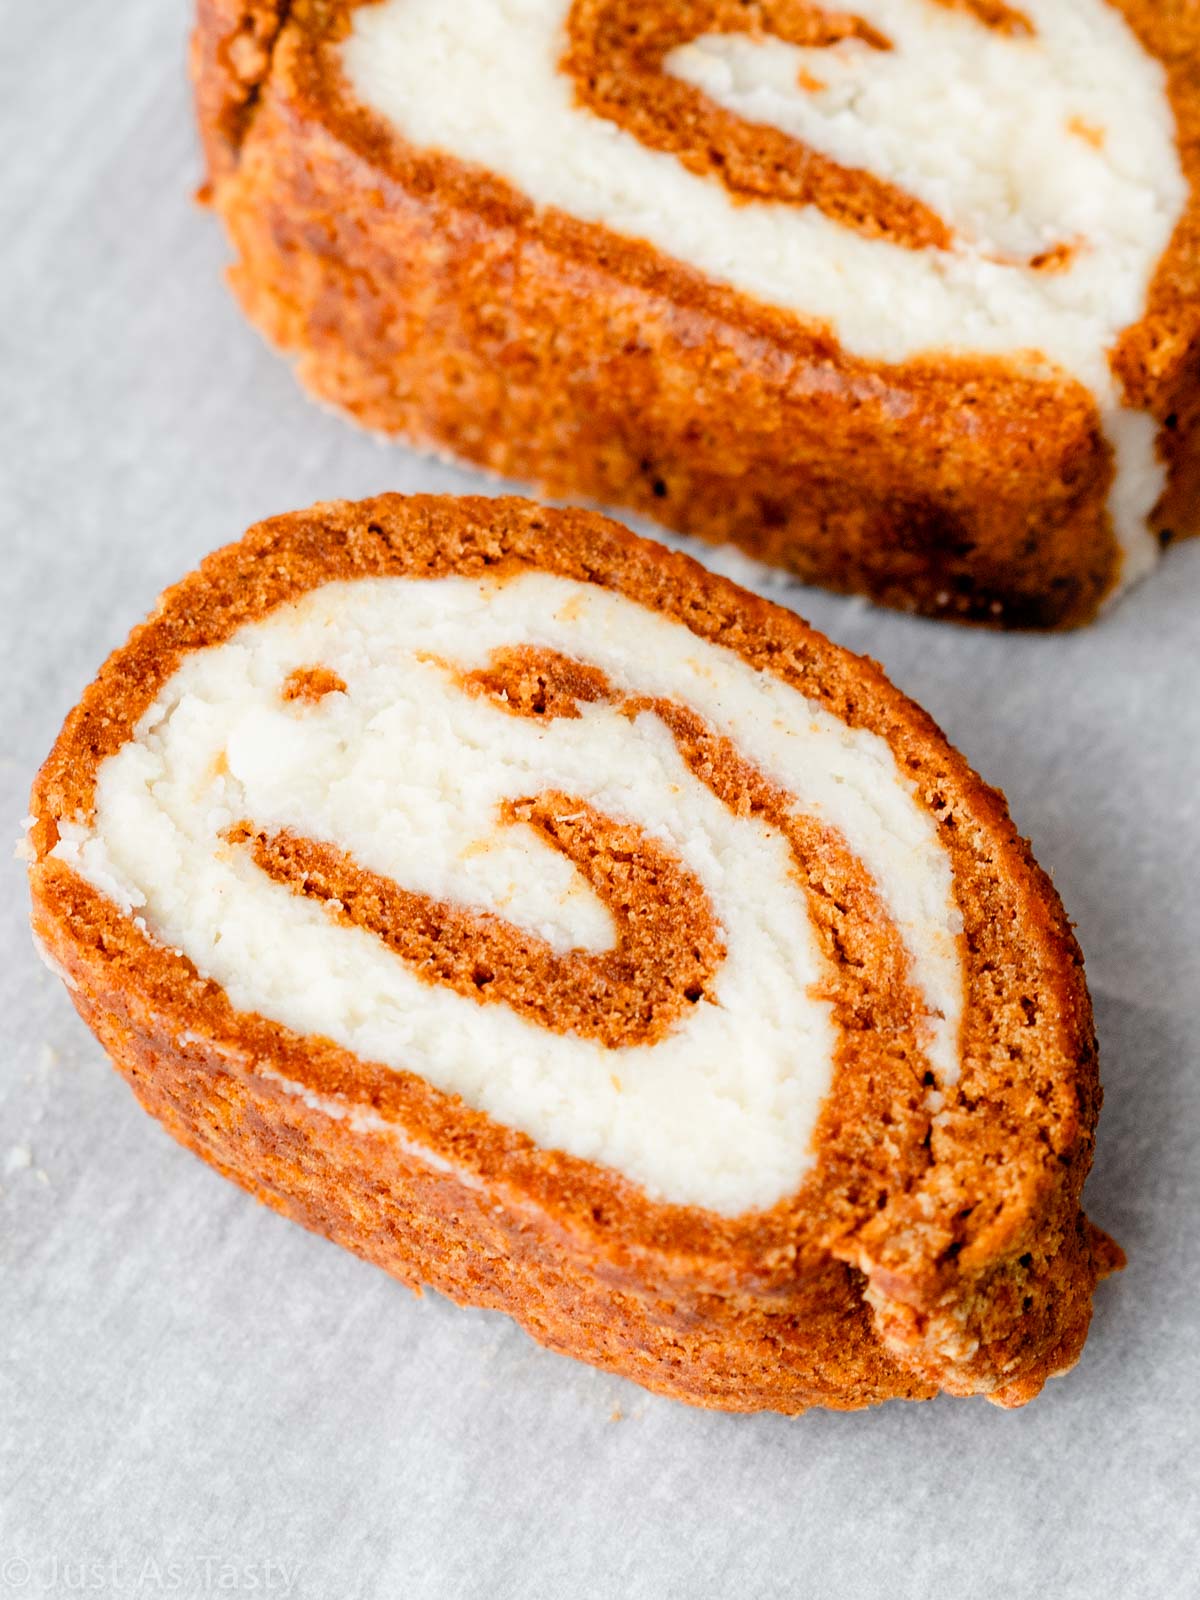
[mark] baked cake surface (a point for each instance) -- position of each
(902, 297)
(552, 922)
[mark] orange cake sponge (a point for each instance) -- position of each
(903, 298)
(550, 921)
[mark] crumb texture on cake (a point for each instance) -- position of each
(932, 243)
(903, 297)
(710, 1101)
(555, 923)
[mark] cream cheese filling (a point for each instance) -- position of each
(1018, 142)
(407, 772)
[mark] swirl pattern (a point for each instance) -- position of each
(553, 852)
(920, 177)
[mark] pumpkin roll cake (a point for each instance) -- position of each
(902, 297)
(552, 922)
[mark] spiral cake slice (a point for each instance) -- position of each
(552, 922)
(902, 296)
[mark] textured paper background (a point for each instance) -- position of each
(184, 1378)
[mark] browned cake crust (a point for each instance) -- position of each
(430, 299)
(923, 1251)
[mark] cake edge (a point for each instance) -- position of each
(927, 1334)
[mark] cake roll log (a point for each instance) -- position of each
(552, 922)
(902, 297)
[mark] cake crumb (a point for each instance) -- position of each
(1090, 132)
(311, 684)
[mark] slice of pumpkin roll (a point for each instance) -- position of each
(552, 922)
(902, 296)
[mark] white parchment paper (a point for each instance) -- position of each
(197, 1397)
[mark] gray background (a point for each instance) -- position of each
(185, 1378)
